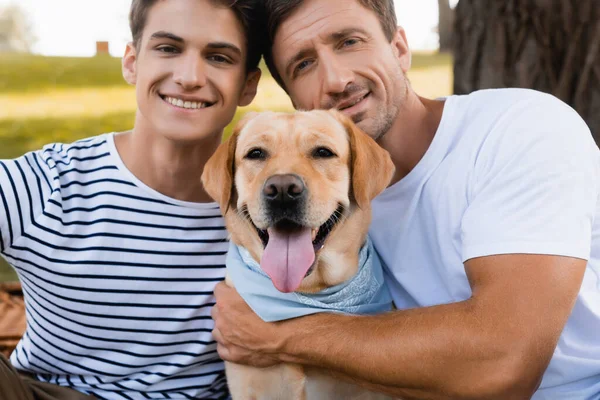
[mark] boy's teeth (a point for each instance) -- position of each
(185, 104)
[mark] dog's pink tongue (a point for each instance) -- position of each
(288, 257)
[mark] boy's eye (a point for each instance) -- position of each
(219, 59)
(167, 49)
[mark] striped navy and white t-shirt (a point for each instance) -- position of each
(118, 278)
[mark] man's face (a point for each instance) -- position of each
(334, 54)
(189, 69)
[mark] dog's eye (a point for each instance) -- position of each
(256, 154)
(323, 152)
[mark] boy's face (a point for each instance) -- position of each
(189, 69)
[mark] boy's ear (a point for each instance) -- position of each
(250, 87)
(128, 64)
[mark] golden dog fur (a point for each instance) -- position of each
(358, 171)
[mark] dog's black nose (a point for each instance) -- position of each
(284, 188)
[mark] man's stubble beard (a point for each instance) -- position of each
(383, 122)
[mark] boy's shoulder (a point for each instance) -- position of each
(57, 159)
(81, 150)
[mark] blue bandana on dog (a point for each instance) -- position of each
(365, 293)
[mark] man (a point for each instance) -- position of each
(115, 241)
(489, 230)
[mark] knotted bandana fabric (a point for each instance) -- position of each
(364, 293)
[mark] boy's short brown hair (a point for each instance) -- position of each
(246, 12)
(277, 11)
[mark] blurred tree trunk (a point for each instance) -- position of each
(548, 45)
(445, 25)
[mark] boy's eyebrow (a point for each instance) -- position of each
(212, 45)
(224, 45)
(166, 35)
(331, 38)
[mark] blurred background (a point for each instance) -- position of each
(60, 73)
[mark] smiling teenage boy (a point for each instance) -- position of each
(114, 239)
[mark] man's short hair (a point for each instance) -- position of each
(277, 11)
(246, 12)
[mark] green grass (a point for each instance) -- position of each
(7, 273)
(28, 73)
(21, 135)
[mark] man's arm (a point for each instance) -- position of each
(496, 345)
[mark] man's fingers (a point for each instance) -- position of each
(219, 289)
(223, 352)
(214, 313)
(218, 337)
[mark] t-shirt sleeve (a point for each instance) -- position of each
(535, 185)
(21, 196)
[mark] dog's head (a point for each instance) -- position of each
(295, 190)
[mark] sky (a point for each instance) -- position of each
(72, 27)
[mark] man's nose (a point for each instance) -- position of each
(190, 72)
(336, 76)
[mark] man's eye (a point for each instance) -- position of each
(303, 65)
(256, 154)
(349, 42)
(167, 49)
(323, 152)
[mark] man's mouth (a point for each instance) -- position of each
(352, 102)
(186, 104)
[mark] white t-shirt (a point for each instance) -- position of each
(508, 171)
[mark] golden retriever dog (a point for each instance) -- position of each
(295, 191)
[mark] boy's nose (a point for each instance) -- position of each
(190, 73)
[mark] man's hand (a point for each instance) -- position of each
(242, 337)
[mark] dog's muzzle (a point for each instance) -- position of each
(285, 197)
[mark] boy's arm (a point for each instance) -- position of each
(6, 193)
(25, 185)
(496, 345)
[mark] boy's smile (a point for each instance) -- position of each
(186, 102)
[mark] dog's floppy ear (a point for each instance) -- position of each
(218, 174)
(371, 166)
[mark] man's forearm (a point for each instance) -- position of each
(435, 352)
